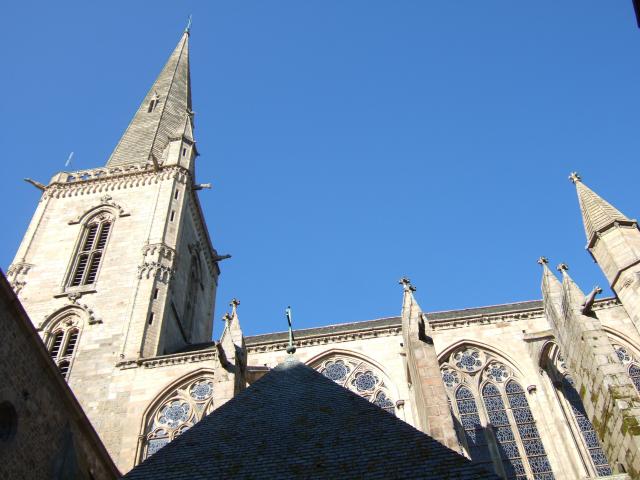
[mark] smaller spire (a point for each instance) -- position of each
(551, 286)
(291, 349)
(187, 30)
(575, 177)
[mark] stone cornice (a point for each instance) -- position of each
(86, 182)
(169, 360)
(326, 339)
(510, 316)
(356, 333)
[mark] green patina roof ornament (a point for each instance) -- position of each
(290, 348)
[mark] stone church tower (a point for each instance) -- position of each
(117, 264)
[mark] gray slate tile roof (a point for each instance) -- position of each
(296, 424)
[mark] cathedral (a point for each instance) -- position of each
(117, 273)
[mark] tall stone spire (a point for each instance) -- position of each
(165, 113)
(597, 214)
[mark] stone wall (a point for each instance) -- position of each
(51, 437)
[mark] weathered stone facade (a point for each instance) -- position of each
(43, 431)
(538, 389)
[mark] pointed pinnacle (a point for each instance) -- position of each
(562, 267)
(234, 305)
(188, 27)
(543, 261)
(575, 177)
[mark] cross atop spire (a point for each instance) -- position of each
(575, 177)
(406, 285)
(162, 114)
(562, 267)
(543, 261)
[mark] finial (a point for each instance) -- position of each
(188, 29)
(406, 285)
(290, 348)
(543, 261)
(227, 317)
(234, 305)
(562, 267)
(575, 177)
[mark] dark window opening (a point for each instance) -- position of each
(8, 421)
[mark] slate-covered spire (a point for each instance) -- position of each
(597, 214)
(165, 112)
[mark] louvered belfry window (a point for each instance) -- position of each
(63, 342)
(91, 251)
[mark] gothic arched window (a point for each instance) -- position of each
(502, 419)
(90, 250)
(360, 377)
(176, 412)
(62, 343)
(573, 409)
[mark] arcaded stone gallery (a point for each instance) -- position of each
(118, 275)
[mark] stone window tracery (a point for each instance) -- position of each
(90, 250)
(633, 367)
(360, 377)
(491, 408)
(62, 343)
(177, 412)
(573, 408)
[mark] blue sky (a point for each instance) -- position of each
(349, 142)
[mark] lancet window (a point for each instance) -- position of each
(633, 367)
(90, 250)
(176, 412)
(491, 409)
(62, 343)
(575, 413)
(359, 377)
(194, 286)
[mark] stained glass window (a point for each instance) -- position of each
(180, 410)
(634, 373)
(528, 431)
(473, 430)
(450, 377)
(507, 446)
(589, 436)
(358, 376)
(468, 360)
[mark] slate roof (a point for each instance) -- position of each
(150, 131)
(597, 213)
(294, 423)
